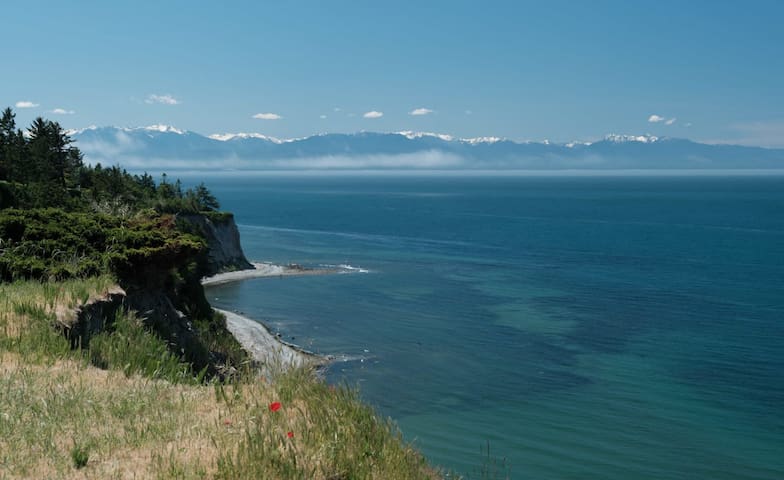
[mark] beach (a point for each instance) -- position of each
(266, 348)
(263, 346)
(267, 270)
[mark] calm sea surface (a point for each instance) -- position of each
(614, 328)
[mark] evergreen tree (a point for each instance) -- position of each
(205, 199)
(9, 144)
(43, 169)
(52, 162)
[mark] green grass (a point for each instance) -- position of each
(80, 456)
(29, 330)
(334, 435)
(129, 347)
(148, 415)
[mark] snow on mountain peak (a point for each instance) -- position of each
(449, 138)
(478, 140)
(615, 138)
(412, 135)
(76, 131)
(162, 129)
(225, 137)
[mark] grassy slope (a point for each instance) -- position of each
(57, 410)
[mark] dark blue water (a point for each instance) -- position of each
(614, 328)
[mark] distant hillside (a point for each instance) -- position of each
(162, 146)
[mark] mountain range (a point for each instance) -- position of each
(165, 147)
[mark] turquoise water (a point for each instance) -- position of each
(614, 328)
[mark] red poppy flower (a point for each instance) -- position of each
(274, 406)
(290, 434)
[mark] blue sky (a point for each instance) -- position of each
(706, 70)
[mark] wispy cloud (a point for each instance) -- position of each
(267, 116)
(135, 160)
(373, 114)
(61, 111)
(322, 117)
(758, 134)
(25, 104)
(658, 119)
(420, 111)
(161, 99)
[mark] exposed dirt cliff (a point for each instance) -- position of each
(223, 241)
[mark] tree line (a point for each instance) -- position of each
(40, 168)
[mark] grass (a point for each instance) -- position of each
(80, 456)
(147, 415)
(129, 347)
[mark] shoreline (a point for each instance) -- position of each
(267, 269)
(264, 347)
(268, 349)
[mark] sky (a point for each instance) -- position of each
(711, 71)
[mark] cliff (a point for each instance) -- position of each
(157, 311)
(223, 240)
(157, 261)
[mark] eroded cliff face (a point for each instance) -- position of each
(223, 241)
(156, 311)
(168, 297)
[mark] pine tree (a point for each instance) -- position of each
(205, 199)
(8, 144)
(52, 163)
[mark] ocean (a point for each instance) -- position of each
(627, 327)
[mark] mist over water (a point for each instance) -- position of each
(590, 327)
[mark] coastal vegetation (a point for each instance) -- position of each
(157, 387)
(147, 414)
(61, 219)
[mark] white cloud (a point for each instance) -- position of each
(161, 99)
(25, 104)
(336, 109)
(62, 111)
(322, 117)
(373, 114)
(267, 116)
(420, 111)
(658, 119)
(468, 112)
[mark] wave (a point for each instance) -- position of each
(345, 268)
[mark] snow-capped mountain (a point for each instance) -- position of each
(615, 138)
(225, 137)
(163, 146)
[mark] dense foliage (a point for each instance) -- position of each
(62, 219)
(55, 244)
(41, 168)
